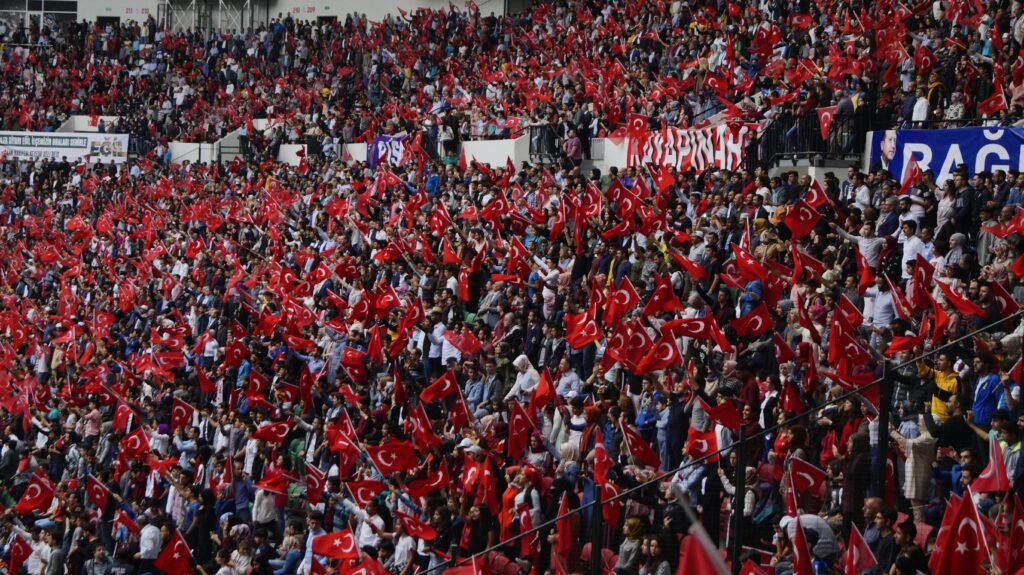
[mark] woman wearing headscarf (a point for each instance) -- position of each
(956, 250)
(526, 379)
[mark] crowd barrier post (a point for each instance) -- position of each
(739, 481)
(596, 533)
(884, 410)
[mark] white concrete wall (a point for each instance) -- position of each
(182, 151)
(606, 154)
(357, 151)
(137, 10)
(496, 152)
(311, 9)
(81, 124)
(230, 142)
(289, 153)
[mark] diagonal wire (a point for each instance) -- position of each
(658, 478)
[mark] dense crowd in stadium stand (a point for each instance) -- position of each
(250, 368)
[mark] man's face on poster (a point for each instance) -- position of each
(888, 146)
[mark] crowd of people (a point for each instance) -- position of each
(580, 66)
(251, 368)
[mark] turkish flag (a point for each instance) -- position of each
(558, 225)
(749, 268)
(698, 328)
(422, 435)
(967, 548)
(1013, 552)
(664, 354)
(701, 444)
(801, 21)
(993, 104)
(698, 555)
(416, 527)
(751, 568)
(602, 463)
(783, 353)
(21, 550)
(912, 176)
(906, 342)
(942, 536)
(801, 219)
(181, 414)
(364, 491)
(496, 208)
(519, 427)
(806, 477)
(564, 529)
(865, 273)
(315, 480)
(815, 195)
(544, 393)
(37, 496)
(1004, 301)
(466, 342)
(97, 493)
(434, 481)
(723, 413)
(273, 432)
(639, 449)
(961, 303)
(754, 323)
(695, 271)
(801, 553)
(581, 329)
(234, 353)
(825, 116)
(337, 545)
(791, 401)
(859, 558)
(664, 298)
(994, 477)
(393, 457)
(122, 417)
(176, 557)
(205, 385)
(136, 444)
(440, 389)
(620, 301)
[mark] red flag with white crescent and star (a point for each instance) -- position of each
(176, 557)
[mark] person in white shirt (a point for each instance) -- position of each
(920, 107)
(861, 193)
(149, 544)
(868, 245)
(371, 526)
(883, 311)
(42, 547)
(912, 245)
(313, 522)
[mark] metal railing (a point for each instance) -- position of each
(736, 545)
(800, 137)
(544, 144)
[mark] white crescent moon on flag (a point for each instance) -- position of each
(625, 297)
(386, 457)
(664, 352)
(756, 323)
(970, 523)
(30, 494)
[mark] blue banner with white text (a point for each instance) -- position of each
(387, 149)
(979, 149)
